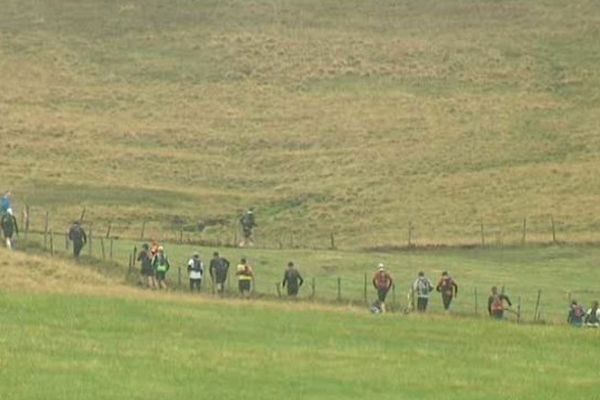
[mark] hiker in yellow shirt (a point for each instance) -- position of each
(245, 277)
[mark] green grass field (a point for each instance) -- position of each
(337, 116)
(96, 347)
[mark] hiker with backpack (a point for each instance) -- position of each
(78, 237)
(161, 265)
(496, 303)
(576, 314)
(421, 289)
(195, 270)
(248, 224)
(382, 282)
(245, 276)
(592, 317)
(9, 226)
(145, 257)
(448, 289)
(218, 269)
(292, 279)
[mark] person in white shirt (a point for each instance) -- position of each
(196, 271)
(592, 317)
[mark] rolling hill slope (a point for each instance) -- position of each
(339, 116)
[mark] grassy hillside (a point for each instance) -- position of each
(347, 116)
(95, 347)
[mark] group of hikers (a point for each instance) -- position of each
(155, 265)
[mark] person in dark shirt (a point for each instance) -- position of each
(292, 279)
(496, 303)
(448, 288)
(248, 223)
(145, 257)
(78, 237)
(218, 269)
(8, 222)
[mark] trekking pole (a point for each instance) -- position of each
(313, 287)
(179, 278)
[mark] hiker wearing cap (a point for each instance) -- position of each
(448, 288)
(292, 279)
(161, 266)
(382, 281)
(421, 289)
(9, 226)
(248, 224)
(195, 269)
(592, 317)
(496, 303)
(576, 314)
(245, 276)
(78, 237)
(218, 269)
(147, 270)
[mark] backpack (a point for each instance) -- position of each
(423, 286)
(8, 223)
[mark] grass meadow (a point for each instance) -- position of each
(337, 116)
(69, 333)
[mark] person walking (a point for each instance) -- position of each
(592, 317)
(245, 276)
(292, 279)
(576, 314)
(9, 226)
(421, 289)
(496, 303)
(382, 281)
(161, 266)
(448, 288)
(195, 269)
(147, 268)
(248, 223)
(78, 237)
(218, 269)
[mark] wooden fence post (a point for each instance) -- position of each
(482, 231)
(66, 241)
(365, 289)
(339, 289)
(524, 237)
(46, 230)
(111, 248)
(181, 235)
(51, 243)
(332, 241)
(179, 277)
(410, 229)
(91, 242)
(537, 306)
(519, 310)
(108, 229)
(102, 247)
(143, 229)
(313, 287)
(27, 220)
(553, 229)
(134, 254)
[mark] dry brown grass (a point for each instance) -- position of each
(347, 116)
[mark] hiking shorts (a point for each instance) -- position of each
(161, 275)
(381, 294)
(244, 285)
